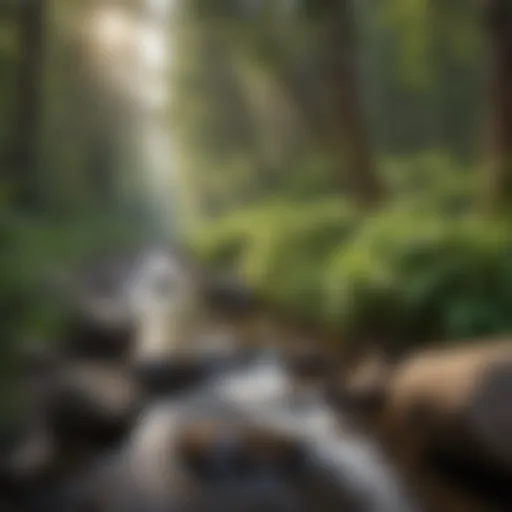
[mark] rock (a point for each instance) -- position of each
(96, 334)
(455, 402)
(308, 363)
(93, 403)
(236, 451)
(362, 389)
(230, 298)
(167, 376)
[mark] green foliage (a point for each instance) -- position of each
(34, 251)
(423, 269)
(276, 247)
(431, 180)
(419, 277)
(423, 71)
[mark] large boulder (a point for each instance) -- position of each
(456, 403)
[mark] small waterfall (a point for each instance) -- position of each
(131, 53)
(142, 79)
(153, 131)
(160, 294)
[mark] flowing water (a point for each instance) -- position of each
(153, 126)
(260, 392)
(257, 393)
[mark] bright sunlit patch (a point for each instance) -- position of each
(131, 50)
(110, 28)
(153, 48)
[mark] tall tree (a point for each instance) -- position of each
(28, 104)
(498, 30)
(324, 85)
(351, 127)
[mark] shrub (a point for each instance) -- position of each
(430, 181)
(32, 250)
(413, 278)
(403, 277)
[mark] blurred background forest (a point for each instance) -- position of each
(349, 158)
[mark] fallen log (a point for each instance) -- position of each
(455, 403)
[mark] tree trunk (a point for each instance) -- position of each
(498, 31)
(28, 104)
(326, 91)
(351, 129)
